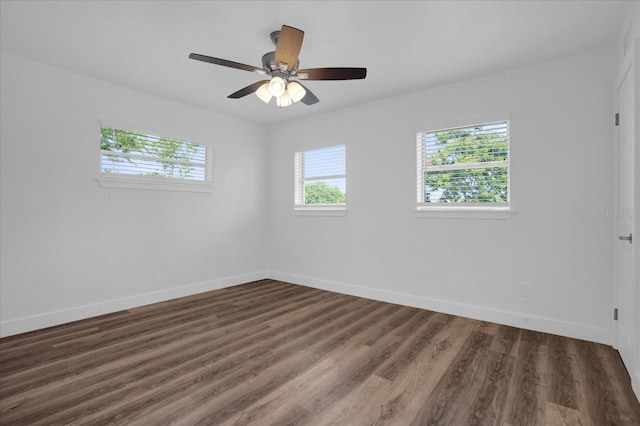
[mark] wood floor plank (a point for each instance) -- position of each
(347, 378)
(283, 402)
(506, 340)
(86, 361)
(228, 364)
(415, 385)
(616, 396)
(275, 353)
(526, 400)
(618, 377)
(441, 408)
(483, 401)
(286, 366)
(118, 335)
(354, 408)
(412, 347)
(562, 385)
(234, 368)
(602, 402)
(558, 415)
(339, 372)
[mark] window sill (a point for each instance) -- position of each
(464, 213)
(159, 184)
(320, 211)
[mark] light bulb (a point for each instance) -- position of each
(284, 100)
(277, 86)
(263, 93)
(296, 91)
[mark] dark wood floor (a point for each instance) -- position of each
(272, 353)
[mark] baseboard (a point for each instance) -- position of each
(635, 382)
(514, 319)
(49, 319)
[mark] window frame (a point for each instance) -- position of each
(463, 210)
(299, 206)
(162, 183)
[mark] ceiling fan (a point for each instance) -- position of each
(282, 68)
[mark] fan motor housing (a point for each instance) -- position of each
(269, 63)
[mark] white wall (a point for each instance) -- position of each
(558, 240)
(71, 249)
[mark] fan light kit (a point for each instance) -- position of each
(282, 68)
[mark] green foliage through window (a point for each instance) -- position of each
(131, 153)
(465, 165)
(321, 193)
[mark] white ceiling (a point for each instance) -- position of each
(405, 45)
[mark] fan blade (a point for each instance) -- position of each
(288, 48)
(332, 73)
(225, 63)
(309, 98)
(247, 90)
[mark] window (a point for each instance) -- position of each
(320, 178)
(464, 168)
(137, 160)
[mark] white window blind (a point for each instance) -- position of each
(464, 167)
(130, 153)
(320, 177)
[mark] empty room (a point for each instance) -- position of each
(319, 213)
